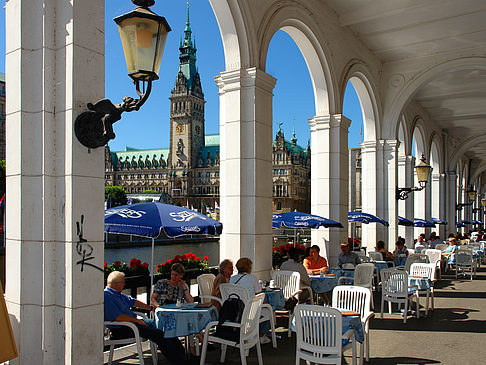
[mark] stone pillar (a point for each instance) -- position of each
(329, 180)
(451, 201)
(55, 65)
(420, 210)
(372, 191)
(246, 167)
(442, 205)
(405, 207)
(390, 204)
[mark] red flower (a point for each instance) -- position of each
(206, 258)
(177, 258)
(105, 265)
(184, 257)
(170, 261)
(117, 263)
(145, 265)
(196, 258)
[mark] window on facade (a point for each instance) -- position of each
(279, 206)
(216, 173)
(208, 174)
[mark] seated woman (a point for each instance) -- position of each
(248, 280)
(387, 255)
(400, 253)
(225, 272)
(168, 291)
(449, 253)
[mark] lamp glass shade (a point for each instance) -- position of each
(143, 35)
(423, 170)
(483, 202)
(471, 194)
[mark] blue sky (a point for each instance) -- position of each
(149, 127)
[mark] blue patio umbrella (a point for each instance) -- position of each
(465, 222)
(354, 217)
(439, 221)
(417, 222)
(477, 222)
(460, 225)
(149, 219)
(404, 222)
(302, 220)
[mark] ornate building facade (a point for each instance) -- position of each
(189, 169)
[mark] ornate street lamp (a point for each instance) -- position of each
(423, 171)
(143, 34)
(471, 195)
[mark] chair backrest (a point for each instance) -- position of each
(394, 283)
(464, 257)
(352, 298)
(411, 251)
(376, 256)
(228, 288)
(288, 281)
(423, 270)
(415, 257)
(319, 330)
(441, 246)
(205, 285)
(363, 274)
(250, 320)
(433, 255)
(364, 259)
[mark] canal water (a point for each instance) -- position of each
(163, 252)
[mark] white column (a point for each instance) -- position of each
(390, 204)
(372, 191)
(54, 66)
(442, 205)
(451, 201)
(329, 180)
(435, 198)
(420, 205)
(405, 207)
(246, 167)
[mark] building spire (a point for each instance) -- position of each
(294, 139)
(187, 30)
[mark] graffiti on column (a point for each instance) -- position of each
(84, 249)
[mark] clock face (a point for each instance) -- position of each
(180, 128)
(197, 130)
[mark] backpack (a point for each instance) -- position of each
(231, 310)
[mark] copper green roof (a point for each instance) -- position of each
(294, 148)
(131, 152)
(211, 140)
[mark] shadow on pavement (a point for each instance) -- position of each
(401, 360)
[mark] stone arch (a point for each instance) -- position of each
(233, 34)
(435, 160)
(426, 75)
(465, 146)
(420, 197)
(359, 76)
(403, 136)
(418, 130)
(296, 22)
(478, 171)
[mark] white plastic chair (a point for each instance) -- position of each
(395, 289)
(426, 271)
(242, 292)
(464, 262)
(441, 246)
(356, 299)
(415, 257)
(434, 256)
(376, 256)
(248, 332)
(319, 335)
(205, 286)
(363, 276)
(289, 282)
(107, 341)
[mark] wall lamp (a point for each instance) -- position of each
(423, 171)
(471, 194)
(143, 34)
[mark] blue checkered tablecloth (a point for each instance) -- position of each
(275, 298)
(180, 322)
(323, 284)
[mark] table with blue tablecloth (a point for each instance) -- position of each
(380, 265)
(421, 283)
(183, 321)
(349, 323)
(323, 284)
(275, 298)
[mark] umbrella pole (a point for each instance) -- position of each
(152, 266)
(295, 236)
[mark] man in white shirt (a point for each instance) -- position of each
(293, 264)
(420, 245)
(434, 240)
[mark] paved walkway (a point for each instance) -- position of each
(454, 333)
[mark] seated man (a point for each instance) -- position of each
(347, 257)
(420, 245)
(315, 264)
(293, 264)
(434, 240)
(118, 308)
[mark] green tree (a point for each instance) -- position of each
(116, 194)
(149, 191)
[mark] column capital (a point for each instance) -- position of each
(320, 122)
(236, 79)
(369, 146)
(390, 144)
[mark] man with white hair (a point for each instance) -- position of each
(118, 309)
